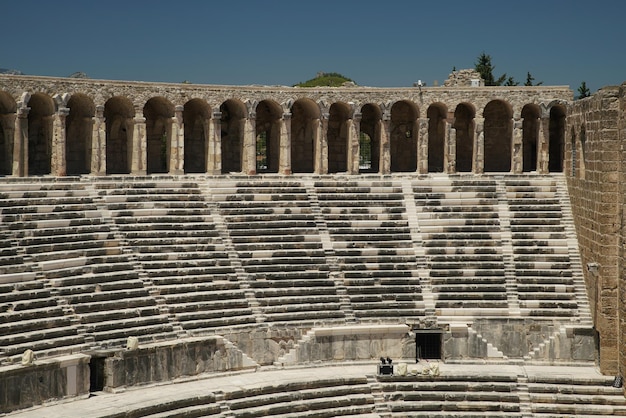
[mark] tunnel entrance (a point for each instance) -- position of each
(428, 344)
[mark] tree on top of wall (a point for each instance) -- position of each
(583, 91)
(530, 80)
(484, 66)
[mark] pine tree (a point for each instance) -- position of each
(583, 91)
(485, 69)
(530, 79)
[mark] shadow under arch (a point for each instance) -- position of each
(464, 125)
(40, 132)
(369, 138)
(267, 138)
(8, 113)
(79, 134)
(403, 136)
(498, 136)
(531, 114)
(118, 115)
(337, 135)
(196, 119)
(158, 112)
(437, 114)
(556, 138)
(304, 129)
(232, 126)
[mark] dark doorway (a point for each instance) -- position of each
(96, 374)
(427, 344)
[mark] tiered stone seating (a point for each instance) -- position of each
(168, 226)
(64, 237)
(451, 396)
(555, 396)
(460, 228)
(318, 398)
(31, 318)
(273, 230)
(540, 249)
(372, 241)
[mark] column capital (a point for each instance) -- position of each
(216, 115)
(287, 115)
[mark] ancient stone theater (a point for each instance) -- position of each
(235, 251)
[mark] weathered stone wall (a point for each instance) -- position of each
(45, 380)
(594, 164)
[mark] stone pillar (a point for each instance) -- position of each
(58, 160)
(320, 152)
(353, 151)
(214, 144)
(321, 163)
(543, 145)
(20, 143)
(177, 143)
(248, 155)
(98, 143)
(517, 152)
(422, 146)
(478, 154)
(138, 153)
(385, 151)
(449, 145)
(284, 159)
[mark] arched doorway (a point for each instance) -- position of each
(403, 136)
(304, 125)
(498, 136)
(8, 110)
(338, 137)
(530, 136)
(40, 132)
(464, 127)
(369, 139)
(196, 119)
(79, 131)
(158, 112)
(268, 115)
(437, 114)
(232, 121)
(118, 115)
(556, 139)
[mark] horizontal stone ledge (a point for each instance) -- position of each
(361, 330)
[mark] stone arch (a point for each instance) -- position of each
(531, 120)
(118, 115)
(304, 127)
(369, 138)
(158, 112)
(338, 136)
(464, 126)
(267, 139)
(78, 134)
(437, 114)
(232, 124)
(556, 139)
(498, 134)
(40, 132)
(196, 119)
(8, 110)
(403, 136)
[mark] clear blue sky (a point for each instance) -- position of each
(388, 43)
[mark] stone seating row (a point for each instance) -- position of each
(540, 249)
(372, 241)
(460, 229)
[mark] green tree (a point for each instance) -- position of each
(530, 80)
(583, 91)
(485, 68)
(325, 79)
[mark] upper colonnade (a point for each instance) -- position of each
(65, 126)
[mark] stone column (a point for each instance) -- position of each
(20, 143)
(478, 154)
(98, 143)
(517, 152)
(138, 156)
(214, 144)
(248, 154)
(284, 159)
(385, 151)
(58, 160)
(321, 163)
(449, 145)
(543, 145)
(422, 146)
(353, 151)
(318, 146)
(177, 143)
